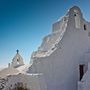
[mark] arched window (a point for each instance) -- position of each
(18, 62)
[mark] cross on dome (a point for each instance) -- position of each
(17, 51)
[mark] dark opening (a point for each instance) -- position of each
(17, 60)
(84, 27)
(74, 14)
(81, 71)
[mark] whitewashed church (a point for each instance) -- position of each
(62, 62)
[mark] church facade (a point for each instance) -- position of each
(64, 54)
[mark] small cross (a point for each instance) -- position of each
(17, 51)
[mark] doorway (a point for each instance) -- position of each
(81, 71)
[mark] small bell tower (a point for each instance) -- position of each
(75, 17)
(17, 60)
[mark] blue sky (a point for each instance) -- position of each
(23, 24)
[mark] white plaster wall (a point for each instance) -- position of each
(60, 24)
(49, 41)
(61, 68)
